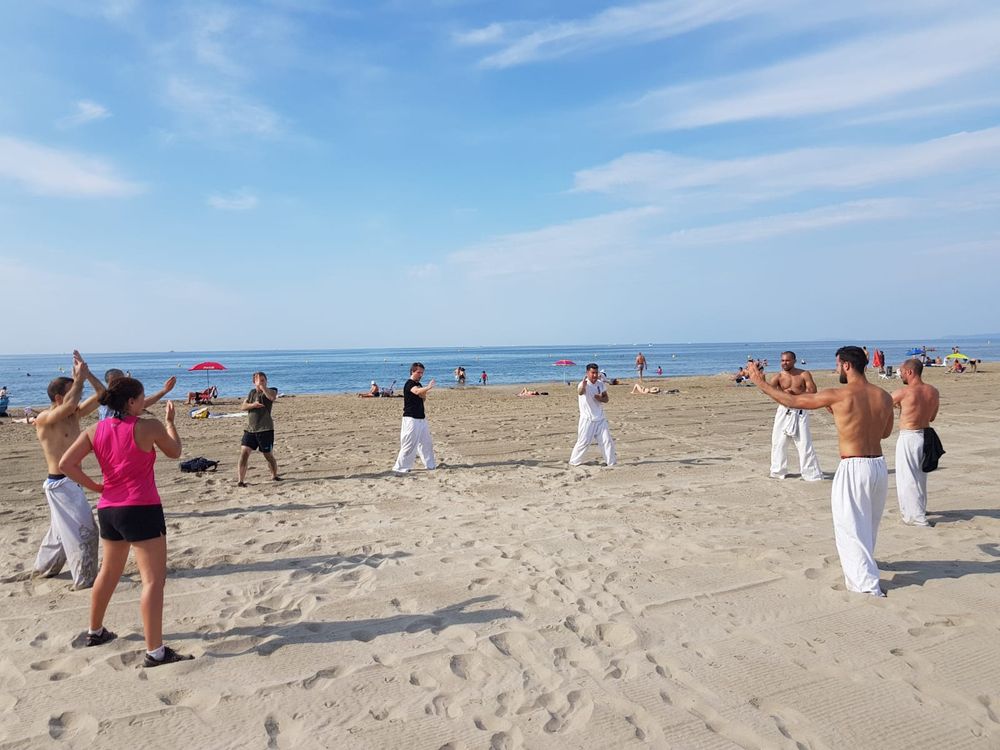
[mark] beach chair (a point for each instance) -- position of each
(889, 373)
(388, 392)
(206, 396)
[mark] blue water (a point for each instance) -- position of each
(339, 371)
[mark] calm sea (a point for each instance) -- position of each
(339, 371)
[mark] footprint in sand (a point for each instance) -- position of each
(568, 713)
(78, 727)
(199, 701)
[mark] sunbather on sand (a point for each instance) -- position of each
(643, 390)
(525, 393)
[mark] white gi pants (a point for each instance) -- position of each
(792, 425)
(414, 440)
(857, 501)
(586, 433)
(911, 481)
(72, 534)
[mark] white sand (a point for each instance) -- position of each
(681, 599)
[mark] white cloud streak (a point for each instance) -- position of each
(218, 113)
(86, 111)
(572, 245)
(658, 174)
(47, 171)
(242, 200)
(863, 72)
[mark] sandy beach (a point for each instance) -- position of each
(508, 600)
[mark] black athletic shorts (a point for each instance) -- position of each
(258, 441)
(132, 523)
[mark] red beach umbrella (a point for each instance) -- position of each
(207, 367)
(564, 363)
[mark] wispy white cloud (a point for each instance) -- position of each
(873, 70)
(643, 22)
(658, 174)
(47, 171)
(215, 112)
(241, 200)
(86, 111)
(770, 227)
(573, 245)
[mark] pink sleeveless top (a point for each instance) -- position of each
(128, 470)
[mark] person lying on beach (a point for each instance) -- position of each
(202, 397)
(642, 390)
(525, 393)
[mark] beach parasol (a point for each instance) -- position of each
(207, 367)
(564, 363)
(956, 355)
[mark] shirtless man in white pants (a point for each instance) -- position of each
(863, 415)
(792, 425)
(72, 534)
(918, 406)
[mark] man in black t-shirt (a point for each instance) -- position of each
(259, 432)
(414, 434)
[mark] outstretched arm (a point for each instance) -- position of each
(826, 397)
(421, 390)
(165, 437)
(167, 387)
(71, 401)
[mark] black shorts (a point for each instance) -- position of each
(132, 523)
(258, 441)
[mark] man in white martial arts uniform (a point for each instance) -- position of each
(593, 424)
(414, 434)
(918, 404)
(72, 534)
(792, 425)
(863, 415)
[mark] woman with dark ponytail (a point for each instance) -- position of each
(129, 512)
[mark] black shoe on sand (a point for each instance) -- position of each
(99, 639)
(169, 657)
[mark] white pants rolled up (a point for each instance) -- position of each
(911, 481)
(796, 421)
(857, 502)
(586, 433)
(414, 440)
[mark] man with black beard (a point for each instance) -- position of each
(792, 425)
(863, 415)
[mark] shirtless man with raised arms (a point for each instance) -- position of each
(72, 534)
(793, 424)
(863, 415)
(918, 406)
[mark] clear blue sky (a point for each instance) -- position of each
(298, 173)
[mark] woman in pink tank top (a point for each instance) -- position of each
(129, 512)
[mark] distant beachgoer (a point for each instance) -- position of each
(129, 510)
(4, 401)
(863, 415)
(640, 364)
(372, 392)
(72, 534)
(640, 389)
(659, 370)
(526, 393)
(918, 404)
(259, 433)
(114, 373)
(203, 397)
(414, 432)
(792, 425)
(460, 375)
(593, 424)
(483, 378)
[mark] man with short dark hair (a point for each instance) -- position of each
(593, 425)
(863, 415)
(792, 425)
(72, 534)
(918, 406)
(259, 433)
(414, 433)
